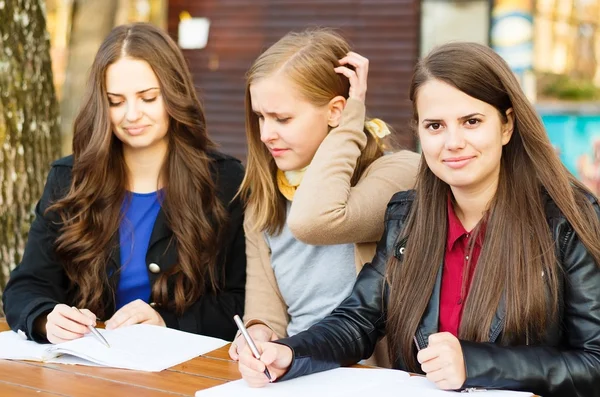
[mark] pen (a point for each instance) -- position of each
(95, 332)
(249, 341)
(416, 343)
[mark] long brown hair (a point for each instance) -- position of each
(518, 260)
(91, 211)
(308, 59)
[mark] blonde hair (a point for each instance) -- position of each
(307, 59)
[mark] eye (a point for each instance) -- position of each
(433, 126)
(283, 120)
(148, 100)
(473, 122)
(114, 104)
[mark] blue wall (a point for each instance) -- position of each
(572, 135)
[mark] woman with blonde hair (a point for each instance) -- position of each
(316, 184)
(488, 273)
(139, 225)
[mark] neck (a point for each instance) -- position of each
(144, 167)
(471, 204)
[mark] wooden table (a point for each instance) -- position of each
(28, 378)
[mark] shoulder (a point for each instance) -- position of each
(404, 159)
(59, 177)
(229, 173)
(399, 206)
(225, 164)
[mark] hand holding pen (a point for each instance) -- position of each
(253, 364)
(64, 323)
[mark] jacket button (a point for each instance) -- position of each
(154, 268)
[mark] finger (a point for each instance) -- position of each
(253, 378)
(354, 59)
(89, 314)
(63, 333)
(237, 345)
(72, 314)
(429, 353)
(59, 320)
(248, 360)
(436, 376)
(135, 318)
(440, 337)
(121, 315)
(350, 74)
(360, 63)
(432, 365)
(233, 352)
(269, 353)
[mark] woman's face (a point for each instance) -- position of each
(290, 127)
(461, 136)
(137, 110)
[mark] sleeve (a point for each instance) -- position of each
(352, 330)
(571, 370)
(212, 314)
(39, 282)
(264, 303)
(326, 209)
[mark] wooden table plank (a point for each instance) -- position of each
(12, 390)
(70, 384)
(215, 368)
(167, 381)
(221, 353)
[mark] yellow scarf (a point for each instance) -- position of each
(288, 182)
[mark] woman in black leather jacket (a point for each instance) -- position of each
(487, 274)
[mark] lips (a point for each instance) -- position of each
(277, 152)
(135, 129)
(458, 162)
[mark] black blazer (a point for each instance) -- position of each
(565, 362)
(39, 282)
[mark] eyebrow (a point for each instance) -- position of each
(269, 113)
(463, 118)
(139, 92)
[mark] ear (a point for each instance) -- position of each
(508, 126)
(335, 107)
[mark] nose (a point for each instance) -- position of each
(455, 138)
(267, 131)
(133, 111)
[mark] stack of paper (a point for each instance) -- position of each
(140, 347)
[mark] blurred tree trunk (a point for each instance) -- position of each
(29, 134)
(91, 23)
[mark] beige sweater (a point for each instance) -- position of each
(327, 210)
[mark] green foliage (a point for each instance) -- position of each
(568, 88)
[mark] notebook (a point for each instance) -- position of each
(139, 347)
(347, 382)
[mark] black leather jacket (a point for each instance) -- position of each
(565, 363)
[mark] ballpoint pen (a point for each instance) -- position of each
(95, 332)
(249, 341)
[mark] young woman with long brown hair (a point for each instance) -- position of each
(139, 225)
(488, 273)
(317, 181)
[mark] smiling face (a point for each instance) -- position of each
(291, 127)
(137, 110)
(461, 136)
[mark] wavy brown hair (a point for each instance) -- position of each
(91, 210)
(518, 261)
(308, 59)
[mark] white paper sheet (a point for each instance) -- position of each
(140, 347)
(334, 383)
(348, 382)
